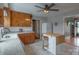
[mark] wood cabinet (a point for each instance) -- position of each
(19, 19)
(14, 18)
(27, 38)
(1, 18)
(60, 39)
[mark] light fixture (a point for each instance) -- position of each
(27, 19)
(46, 11)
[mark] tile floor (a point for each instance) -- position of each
(69, 47)
(36, 49)
(66, 48)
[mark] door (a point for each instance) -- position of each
(44, 28)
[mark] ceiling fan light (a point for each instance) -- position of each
(45, 11)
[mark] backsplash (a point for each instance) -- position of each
(17, 29)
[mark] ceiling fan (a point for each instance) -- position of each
(47, 8)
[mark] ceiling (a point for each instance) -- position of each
(30, 8)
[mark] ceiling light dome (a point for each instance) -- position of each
(45, 11)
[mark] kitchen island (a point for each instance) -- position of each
(51, 40)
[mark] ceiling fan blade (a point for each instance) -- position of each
(46, 6)
(39, 7)
(39, 10)
(53, 9)
(51, 5)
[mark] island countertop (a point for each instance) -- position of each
(52, 34)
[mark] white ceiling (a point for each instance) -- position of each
(65, 8)
(30, 8)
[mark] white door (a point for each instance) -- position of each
(44, 27)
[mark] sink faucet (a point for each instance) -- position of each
(5, 31)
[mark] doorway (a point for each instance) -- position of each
(73, 30)
(69, 27)
(36, 27)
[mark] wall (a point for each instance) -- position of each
(61, 28)
(42, 19)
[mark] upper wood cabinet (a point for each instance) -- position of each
(19, 19)
(1, 18)
(14, 18)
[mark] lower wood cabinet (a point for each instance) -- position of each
(27, 38)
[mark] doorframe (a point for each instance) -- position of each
(40, 27)
(76, 27)
(74, 16)
(65, 30)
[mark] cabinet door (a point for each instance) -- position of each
(22, 38)
(28, 20)
(20, 19)
(32, 37)
(1, 18)
(27, 38)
